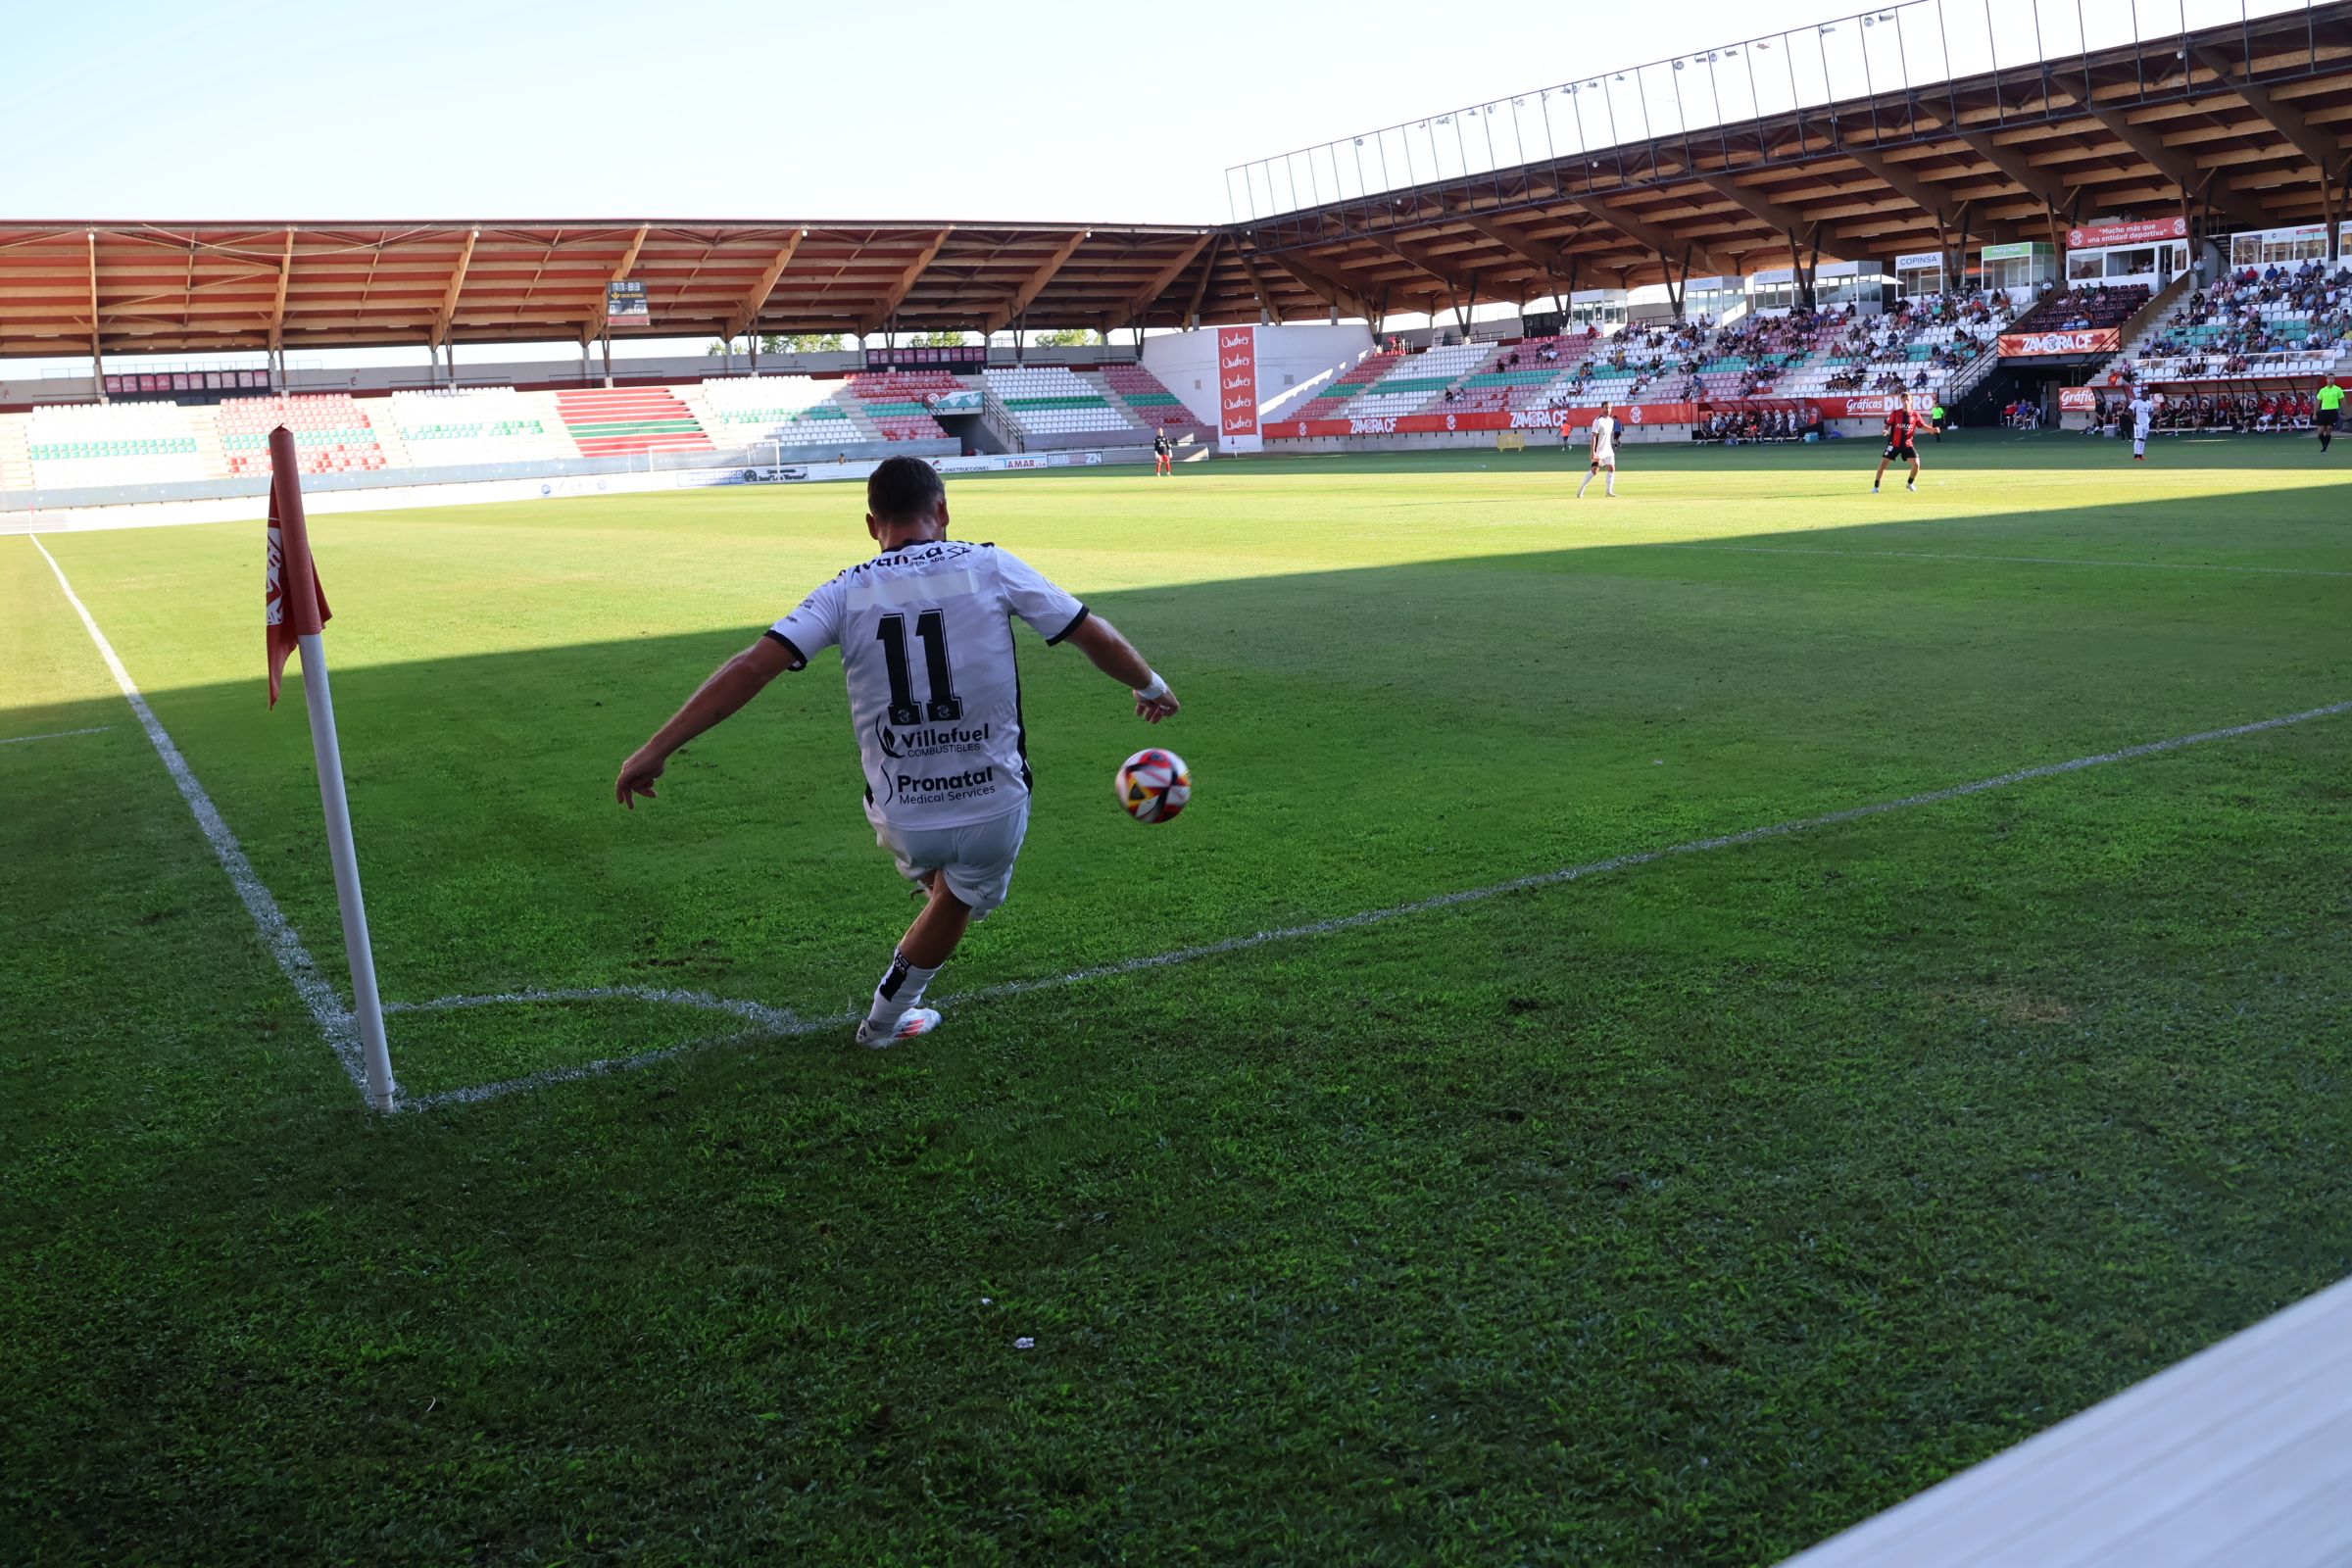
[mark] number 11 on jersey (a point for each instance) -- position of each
(943, 705)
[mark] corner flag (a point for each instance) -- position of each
(295, 602)
(295, 616)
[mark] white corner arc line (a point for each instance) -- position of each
(478, 1093)
(55, 734)
(278, 935)
(760, 1014)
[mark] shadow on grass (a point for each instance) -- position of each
(1687, 1219)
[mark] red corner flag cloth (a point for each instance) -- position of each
(295, 602)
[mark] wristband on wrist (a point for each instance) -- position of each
(1153, 692)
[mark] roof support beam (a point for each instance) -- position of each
(621, 273)
(2038, 183)
(1143, 299)
(1340, 296)
(755, 299)
(1649, 235)
(1033, 285)
(898, 291)
(1257, 282)
(1208, 270)
(1759, 206)
(1422, 259)
(277, 306)
(2325, 153)
(97, 343)
(2174, 166)
(1938, 205)
(1538, 253)
(449, 296)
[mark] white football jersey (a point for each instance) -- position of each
(926, 644)
(2142, 413)
(1604, 437)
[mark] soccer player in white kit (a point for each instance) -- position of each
(1604, 451)
(2143, 414)
(926, 644)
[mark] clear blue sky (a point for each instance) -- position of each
(141, 108)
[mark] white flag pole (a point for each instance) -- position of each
(366, 1006)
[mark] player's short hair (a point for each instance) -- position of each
(903, 488)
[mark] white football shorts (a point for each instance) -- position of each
(976, 859)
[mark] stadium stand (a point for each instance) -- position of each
(1151, 404)
(895, 401)
(2080, 308)
(331, 434)
(487, 424)
(2251, 324)
(1333, 401)
(1417, 381)
(16, 461)
(606, 421)
(103, 444)
(793, 411)
(1049, 400)
(1523, 375)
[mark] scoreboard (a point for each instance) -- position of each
(184, 383)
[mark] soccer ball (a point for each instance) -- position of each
(1153, 785)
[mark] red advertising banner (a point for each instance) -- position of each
(1869, 406)
(2148, 232)
(2083, 340)
(1628, 417)
(1237, 380)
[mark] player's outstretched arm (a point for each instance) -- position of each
(1114, 655)
(730, 686)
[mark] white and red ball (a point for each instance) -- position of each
(1153, 785)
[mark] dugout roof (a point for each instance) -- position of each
(2239, 126)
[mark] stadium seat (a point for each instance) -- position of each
(1049, 400)
(606, 421)
(72, 445)
(450, 427)
(332, 434)
(1153, 404)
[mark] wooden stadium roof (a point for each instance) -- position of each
(2247, 126)
(188, 287)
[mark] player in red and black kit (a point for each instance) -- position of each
(1903, 428)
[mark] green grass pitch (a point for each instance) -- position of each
(1681, 1214)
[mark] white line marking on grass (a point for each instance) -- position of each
(284, 943)
(55, 734)
(766, 1017)
(1443, 900)
(2014, 561)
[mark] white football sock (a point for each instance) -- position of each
(1588, 485)
(2139, 449)
(902, 988)
(1610, 488)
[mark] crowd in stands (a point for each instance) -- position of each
(2248, 314)
(1741, 426)
(2239, 413)
(2086, 309)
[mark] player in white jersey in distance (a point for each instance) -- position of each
(1604, 452)
(2144, 416)
(926, 646)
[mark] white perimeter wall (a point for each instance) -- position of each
(1287, 358)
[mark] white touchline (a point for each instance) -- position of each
(1259, 939)
(55, 734)
(2009, 561)
(335, 1021)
